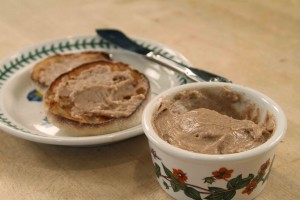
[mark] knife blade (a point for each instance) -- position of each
(195, 74)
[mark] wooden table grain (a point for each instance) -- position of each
(254, 43)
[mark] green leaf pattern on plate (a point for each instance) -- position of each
(10, 124)
(7, 69)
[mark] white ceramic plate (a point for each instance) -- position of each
(21, 109)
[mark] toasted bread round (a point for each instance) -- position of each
(97, 98)
(47, 70)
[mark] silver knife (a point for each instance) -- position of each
(120, 39)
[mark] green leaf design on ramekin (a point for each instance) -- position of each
(178, 181)
(66, 46)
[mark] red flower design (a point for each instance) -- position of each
(264, 167)
(222, 173)
(250, 187)
(180, 175)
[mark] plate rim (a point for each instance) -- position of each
(80, 140)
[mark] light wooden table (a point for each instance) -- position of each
(254, 43)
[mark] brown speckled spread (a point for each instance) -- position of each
(208, 122)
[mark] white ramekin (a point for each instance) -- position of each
(188, 175)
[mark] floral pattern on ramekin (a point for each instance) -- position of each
(177, 180)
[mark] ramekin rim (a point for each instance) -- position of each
(281, 126)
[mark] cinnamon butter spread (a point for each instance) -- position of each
(99, 91)
(61, 65)
(207, 121)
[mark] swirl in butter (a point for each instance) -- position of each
(208, 121)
